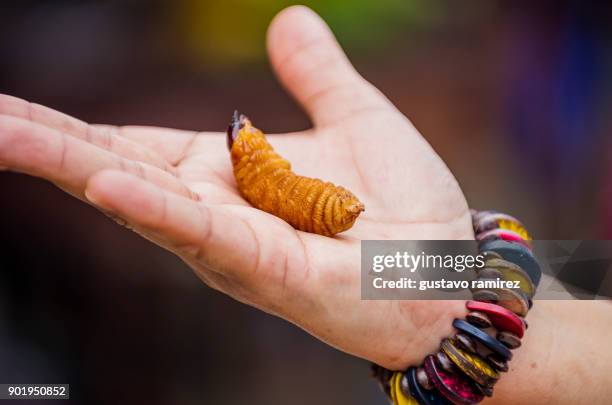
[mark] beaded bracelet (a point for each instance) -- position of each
(469, 363)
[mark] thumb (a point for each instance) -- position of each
(311, 65)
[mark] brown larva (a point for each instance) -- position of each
(266, 181)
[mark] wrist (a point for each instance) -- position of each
(534, 366)
(425, 325)
(470, 361)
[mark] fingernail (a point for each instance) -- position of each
(91, 197)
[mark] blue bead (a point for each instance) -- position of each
(423, 396)
(484, 338)
(517, 254)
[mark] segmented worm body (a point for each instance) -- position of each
(266, 181)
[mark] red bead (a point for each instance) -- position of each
(456, 388)
(502, 318)
(503, 234)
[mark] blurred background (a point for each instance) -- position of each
(514, 95)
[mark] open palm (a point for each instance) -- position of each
(176, 188)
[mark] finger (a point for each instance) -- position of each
(107, 137)
(174, 145)
(211, 236)
(310, 63)
(67, 161)
(210, 159)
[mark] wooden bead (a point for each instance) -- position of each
(478, 319)
(383, 376)
(380, 373)
(444, 362)
(511, 272)
(471, 364)
(486, 391)
(423, 396)
(489, 273)
(478, 215)
(500, 221)
(404, 385)
(497, 362)
(502, 318)
(490, 342)
(466, 343)
(513, 300)
(509, 339)
(456, 388)
(485, 296)
(422, 378)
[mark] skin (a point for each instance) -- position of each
(176, 188)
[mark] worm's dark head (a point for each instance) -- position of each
(237, 123)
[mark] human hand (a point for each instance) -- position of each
(176, 188)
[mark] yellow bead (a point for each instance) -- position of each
(512, 272)
(400, 397)
(514, 227)
(392, 390)
(471, 364)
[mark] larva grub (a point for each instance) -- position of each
(266, 181)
